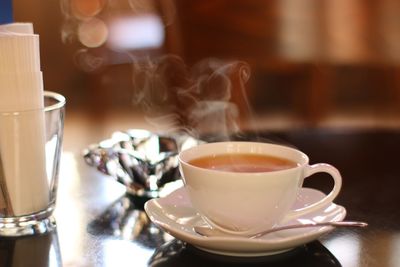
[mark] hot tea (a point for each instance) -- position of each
(243, 163)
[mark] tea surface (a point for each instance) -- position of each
(243, 163)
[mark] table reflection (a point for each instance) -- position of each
(347, 247)
(42, 250)
(177, 253)
(126, 219)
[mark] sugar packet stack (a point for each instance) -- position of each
(23, 179)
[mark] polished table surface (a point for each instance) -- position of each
(98, 225)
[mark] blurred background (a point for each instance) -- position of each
(310, 63)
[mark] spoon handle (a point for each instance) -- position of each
(335, 224)
(205, 231)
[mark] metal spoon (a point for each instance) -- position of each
(212, 232)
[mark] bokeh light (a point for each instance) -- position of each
(86, 8)
(93, 32)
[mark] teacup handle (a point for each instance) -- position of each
(308, 171)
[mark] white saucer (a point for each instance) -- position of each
(175, 214)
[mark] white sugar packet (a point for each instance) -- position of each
(23, 179)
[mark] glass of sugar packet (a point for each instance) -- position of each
(30, 151)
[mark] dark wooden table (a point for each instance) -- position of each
(100, 226)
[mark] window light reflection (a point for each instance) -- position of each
(125, 253)
(66, 211)
(138, 32)
(394, 259)
(346, 249)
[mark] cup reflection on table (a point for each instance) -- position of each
(30, 151)
(177, 253)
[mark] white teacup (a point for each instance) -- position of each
(244, 203)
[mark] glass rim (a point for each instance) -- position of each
(59, 100)
(58, 97)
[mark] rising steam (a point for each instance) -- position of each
(196, 99)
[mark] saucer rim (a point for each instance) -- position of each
(249, 247)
